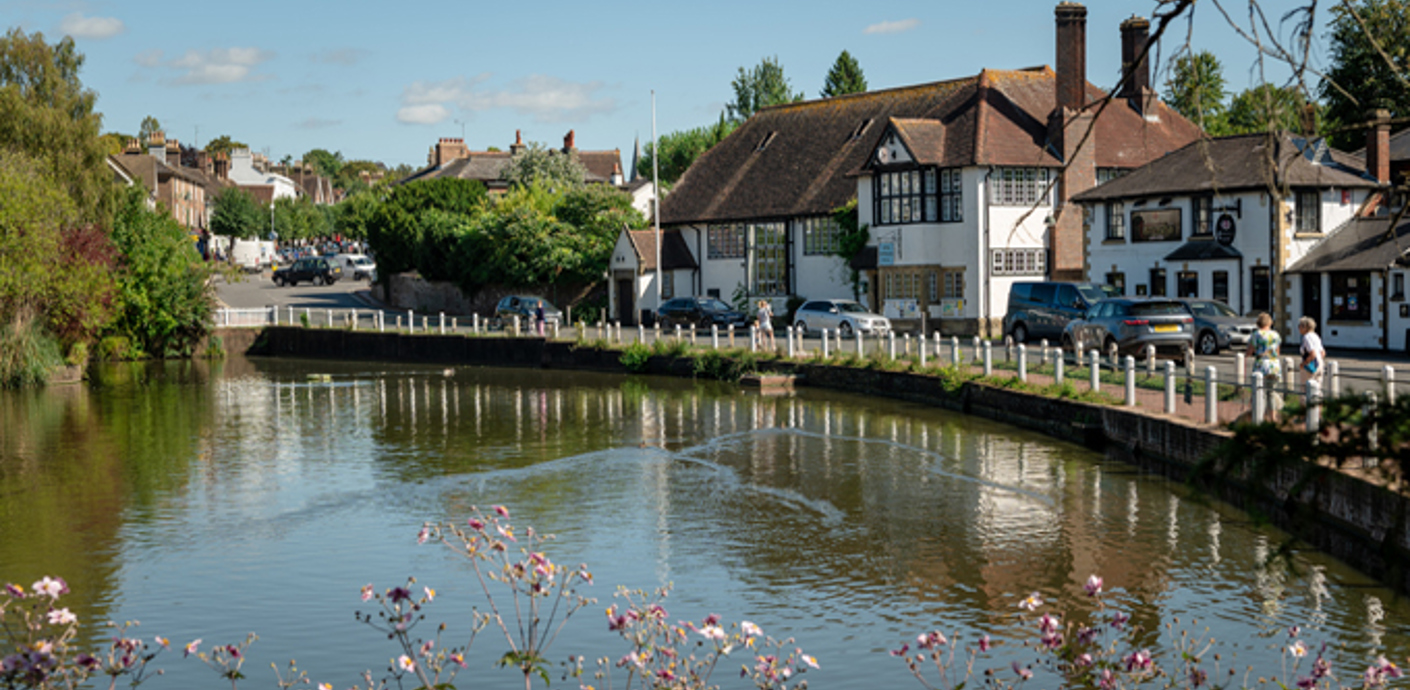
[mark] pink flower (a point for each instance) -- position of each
(1031, 602)
(1093, 586)
(15, 591)
(459, 659)
(930, 640)
(713, 632)
(476, 525)
(192, 647)
(811, 661)
(1048, 623)
(506, 532)
(984, 643)
(164, 642)
(503, 512)
(406, 663)
(750, 629)
(367, 591)
(905, 648)
(424, 534)
(62, 617)
(430, 594)
(52, 587)
(1023, 673)
(1294, 631)
(1084, 659)
(1297, 649)
(1119, 619)
(426, 647)
(1139, 660)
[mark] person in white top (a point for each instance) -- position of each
(765, 317)
(1314, 357)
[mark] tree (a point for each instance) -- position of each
(1266, 108)
(224, 144)
(1196, 90)
(394, 230)
(758, 88)
(325, 163)
(46, 113)
(680, 149)
(1360, 78)
(301, 219)
(150, 126)
(237, 214)
(845, 77)
(544, 165)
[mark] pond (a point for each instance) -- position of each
(258, 495)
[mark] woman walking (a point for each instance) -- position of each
(1264, 347)
(1314, 356)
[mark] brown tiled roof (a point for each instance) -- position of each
(600, 164)
(148, 169)
(795, 159)
(1238, 163)
(1399, 147)
(674, 252)
(487, 167)
(1361, 244)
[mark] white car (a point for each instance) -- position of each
(839, 315)
(357, 265)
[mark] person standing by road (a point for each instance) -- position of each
(1314, 356)
(539, 317)
(1264, 347)
(765, 322)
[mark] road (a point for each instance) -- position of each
(258, 291)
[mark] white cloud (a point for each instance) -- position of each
(317, 123)
(428, 114)
(892, 27)
(79, 26)
(342, 56)
(544, 98)
(216, 66)
(149, 58)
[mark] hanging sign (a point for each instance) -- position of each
(1224, 229)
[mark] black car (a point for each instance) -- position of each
(699, 312)
(314, 269)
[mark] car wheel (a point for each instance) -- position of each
(1208, 343)
(1020, 333)
(802, 328)
(666, 323)
(279, 281)
(318, 280)
(845, 330)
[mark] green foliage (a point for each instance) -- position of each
(680, 149)
(351, 216)
(726, 366)
(46, 113)
(235, 213)
(394, 230)
(759, 88)
(303, 319)
(635, 357)
(149, 126)
(224, 144)
(521, 247)
(165, 295)
(325, 163)
(1266, 108)
(845, 77)
(551, 167)
(1196, 90)
(302, 219)
(441, 233)
(852, 238)
(216, 348)
(670, 347)
(1360, 78)
(28, 355)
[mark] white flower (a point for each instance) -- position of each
(750, 629)
(62, 617)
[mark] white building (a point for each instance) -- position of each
(633, 273)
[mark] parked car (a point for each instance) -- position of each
(700, 312)
(1131, 324)
(357, 265)
(1043, 309)
(1218, 327)
(524, 307)
(844, 316)
(316, 270)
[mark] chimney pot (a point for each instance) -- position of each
(568, 142)
(1135, 32)
(1378, 145)
(1071, 55)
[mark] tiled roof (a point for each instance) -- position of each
(795, 159)
(1238, 163)
(1361, 244)
(1399, 147)
(487, 167)
(674, 252)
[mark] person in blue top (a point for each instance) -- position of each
(539, 317)
(1264, 347)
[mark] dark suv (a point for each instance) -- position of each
(1043, 309)
(314, 269)
(699, 312)
(526, 308)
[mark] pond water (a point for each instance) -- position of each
(213, 500)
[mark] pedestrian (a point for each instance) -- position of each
(1314, 356)
(1264, 347)
(539, 317)
(764, 320)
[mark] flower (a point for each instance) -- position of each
(1022, 672)
(233, 651)
(426, 647)
(192, 647)
(475, 524)
(984, 643)
(367, 592)
(1084, 659)
(506, 532)
(52, 587)
(1294, 631)
(164, 642)
(1119, 619)
(459, 659)
(430, 594)
(406, 663)
(902, 651)
(14, 590)
(750, 629)
(713, 632)
(62, 617)
(325, 686)
(1031, 602)
(1048, 623)
(1139, 660)
(1093, 586)
(398, 594)
(424, 534)
(930, 640)
(1297, 649)
(502, 511)
(809, 660)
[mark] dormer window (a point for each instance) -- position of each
(764, 143)
(861, 128)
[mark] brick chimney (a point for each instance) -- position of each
(1067, 126)
(1071, 55)
(518, 144)
(173, 152)
(133, 148)
(156, 146)
(1378, 145)
(569, 142)
(449, 149)
(222, 165)
(1134, 34)
(617, 178)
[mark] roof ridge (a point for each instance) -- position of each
(867, 94)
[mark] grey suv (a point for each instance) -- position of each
(1132, 324)
(1043, 309)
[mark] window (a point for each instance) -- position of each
(1397, 286)
(932, 284)
(1204, 225)
(951, 196)
(902, 285)
(1116, 221)
(1019, 187)
(1157, 282)
(770, 259)
(898, 197)
(820, 235)
(668, 284)
(1308, 212)
(1105, 175)
(1187, 284)
(1351, 297)
(952, 281)
(1221, 286)
(918, 196)
(1020, 262)
(726, 241)
(1260, 288)
(1118, 281)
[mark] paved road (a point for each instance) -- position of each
(258, 291)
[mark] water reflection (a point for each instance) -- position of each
(849, 522)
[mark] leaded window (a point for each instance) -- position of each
(928, 195)
(1019, 262)
(820, 235)
(726, 241)
(770, 259)
(1020, 187)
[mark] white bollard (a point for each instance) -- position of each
(555, 331)
(825, 343)
(443, 323)
(1239, 370)
(1388, 377)
(475, 323)
(1023, 362)
(291, 316)
(352, 318)
(731, 336)
(891, 346)
(789, 331)
(1096, 360)
(905, 344)
(1211, 395)
(274, 314)
(1131, 381)
(308, 316)
(1314, 406)
(641, 333)
(516, 325)
(1169, 387)
(398, 322)
(410, 320)
(1334, 378)
(1043, 361)
(1260, 399)
(922, 343)
(381, 322)
(453, 324)
(1150, 360)
(678, 332)
(714, 336)
(861, 345)
(988, 358)
(955, 351)
(1058, 363)
(425, 324)
(753, 339)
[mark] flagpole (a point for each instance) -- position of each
(656, 194)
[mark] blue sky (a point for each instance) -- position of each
(384, 80)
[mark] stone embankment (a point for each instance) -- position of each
(1350, 515)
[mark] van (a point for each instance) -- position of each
(358, 266)
(252, 255)
(1043, 309)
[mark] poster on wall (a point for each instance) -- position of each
(1160, 225)
(948, 308)
(901, 309)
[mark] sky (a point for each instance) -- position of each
(384, 80)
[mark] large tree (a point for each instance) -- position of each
(394, 230)
(760, 87)
(1196, 90)
(1369, 69)
(327, 164)
(680, 149)
(538, 164)
(1267, 108)
(150, 126)
(224, 144)
(236, 213)
(845, 77)
(46, 113)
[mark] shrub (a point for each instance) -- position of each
(115, 348)
(635, 357)
(27, 353)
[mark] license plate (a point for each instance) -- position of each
(1168, 328)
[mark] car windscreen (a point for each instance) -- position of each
(1217, 309)
(1158, 309)
(713, 305)
(851, 308)
(1092, 293)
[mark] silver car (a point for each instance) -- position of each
(1218, 327)
(839, 316)
(1131, 324)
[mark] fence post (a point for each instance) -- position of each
(1314, 406)
(922, 343)
(977, 354)
(714, 336)
(861, 344)
(790, 342)
(1096, 361)
(398, 322)
(411, 320)
(1239, 369)
(731, 335)
(1023, 363)
(1169, 387)
(1211, 395)
(905, 345)
(641, 334)
(308, 316)
(655, 331)
(678, 332)
(1043, 361)
(454, 325)
(330, 318)
(1373, 435)
(1058, 363)
(352, 319)
(1008, 349)
(825, 343)
(1150, 360)
(1130, 381)
(425, 324)
(955, 351)
(937, 343)
(988, 358)
(516, 326)
(1334, 377)
(291, 316)
(891, 345)
(1388, 376)
(753, 339)
(1260, 399)
(838, 345)
(381, 322)
(555, 331)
